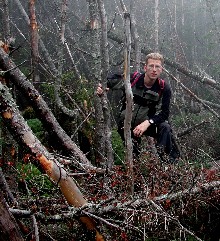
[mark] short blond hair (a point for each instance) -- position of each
(155, 56)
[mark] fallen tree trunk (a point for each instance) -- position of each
(40, 156)
(43, 111)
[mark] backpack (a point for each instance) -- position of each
(135, 78)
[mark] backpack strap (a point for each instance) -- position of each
(135, 78)
(162, 84)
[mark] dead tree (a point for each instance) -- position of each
(34, 42)
(104, 73)
(96, 68)
(129, 105)
(135, 36)
(193, 95)
(6, 22)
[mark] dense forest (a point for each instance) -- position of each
(65, 173)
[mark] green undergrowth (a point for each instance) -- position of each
(36, 182)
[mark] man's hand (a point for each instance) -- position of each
(99, 90)
(140, 129)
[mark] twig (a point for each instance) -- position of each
(101, 219)
(2, 73)
(36, 231)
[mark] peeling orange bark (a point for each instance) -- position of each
(45, 163)
(4, 46)
(7, 115)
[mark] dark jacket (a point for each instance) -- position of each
(149, 103)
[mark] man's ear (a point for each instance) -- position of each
(145, 68)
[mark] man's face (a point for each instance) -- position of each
(153, 69)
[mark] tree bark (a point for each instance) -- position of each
(40, 156)
(156, 14)
(5, 189)
(34, 42)
(96, 68)
(5, 21)
(136, 38)
(104, 73)
(129, 105)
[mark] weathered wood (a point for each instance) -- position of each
(50, 63)
(129, 104)
(104, 73)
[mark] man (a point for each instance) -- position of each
(151, 97)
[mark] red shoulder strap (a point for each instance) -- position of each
(135, 78)
(162, 84)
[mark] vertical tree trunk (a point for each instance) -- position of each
(104, 73)
(49, 60)
(136, 37)
(129, 105)
(34, 42)
(96, 68)
(63, 20)
(156, 25)
(60, 56)
(5, 21)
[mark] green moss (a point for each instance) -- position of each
(37, 127)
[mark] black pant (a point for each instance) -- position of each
(163, 135)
